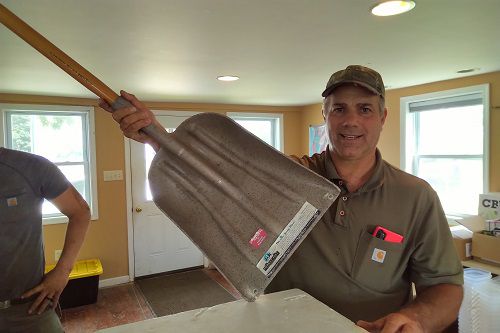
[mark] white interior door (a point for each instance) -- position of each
(159, 245)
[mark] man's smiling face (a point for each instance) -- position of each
(354, 121)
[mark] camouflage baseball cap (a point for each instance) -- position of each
(357, 74)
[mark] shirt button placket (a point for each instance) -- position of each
(342, 211)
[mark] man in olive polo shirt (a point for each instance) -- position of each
(341, 262)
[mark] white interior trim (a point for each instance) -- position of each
(128, 190)
(114, 281)
(130, 221)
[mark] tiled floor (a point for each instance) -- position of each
(119, 305)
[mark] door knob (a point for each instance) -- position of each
(138, 209)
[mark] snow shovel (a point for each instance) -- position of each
(244, 204)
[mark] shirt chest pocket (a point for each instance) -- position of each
(15, 204)
(378, 264)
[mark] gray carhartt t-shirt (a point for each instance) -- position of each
(25, 180)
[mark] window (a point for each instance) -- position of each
(266, 126)
(62, 134)
(444, 140)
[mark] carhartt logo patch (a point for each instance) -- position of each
(378, 255)
(11, 202)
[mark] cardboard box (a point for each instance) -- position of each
(462, 238)
(492, 225)
(489, 206)
(463, 247)
(486, 248)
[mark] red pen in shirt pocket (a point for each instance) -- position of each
(387, 235)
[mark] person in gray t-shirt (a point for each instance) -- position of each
(345, 261)
(27, 295)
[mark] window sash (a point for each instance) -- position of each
(413, 105)
(446, 102)
(86, 160)
(83, 118)
(276, 121)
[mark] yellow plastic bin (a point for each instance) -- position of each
(83, 283)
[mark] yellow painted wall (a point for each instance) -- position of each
(311, 115)
(390, 143)
(107, 236)
(390, 138)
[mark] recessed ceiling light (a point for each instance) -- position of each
(468, 70)
(227, 78)
(393, 7)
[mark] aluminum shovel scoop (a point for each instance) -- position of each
(244, 204)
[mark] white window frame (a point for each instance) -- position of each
(407, 130)
(275, 118)
(88, 116)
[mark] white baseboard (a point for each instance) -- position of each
(114, 281)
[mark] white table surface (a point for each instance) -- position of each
(290, 311)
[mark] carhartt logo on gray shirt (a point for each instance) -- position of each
(11, 202)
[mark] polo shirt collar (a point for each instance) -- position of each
(376, 180)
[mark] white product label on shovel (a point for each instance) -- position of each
(288, 239)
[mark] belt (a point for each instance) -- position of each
(17, 301)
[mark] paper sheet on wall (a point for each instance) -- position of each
(318, 139)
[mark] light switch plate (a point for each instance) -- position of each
(113, 175)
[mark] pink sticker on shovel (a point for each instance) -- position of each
(258, 238)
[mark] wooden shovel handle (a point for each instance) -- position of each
(63, 61)
(54, 54)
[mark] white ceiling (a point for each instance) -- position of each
(283, 50)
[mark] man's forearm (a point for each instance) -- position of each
(75, 234)
(436, 307)
(76, 209)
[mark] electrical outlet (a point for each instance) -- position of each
(113, 175)
(57, 254)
